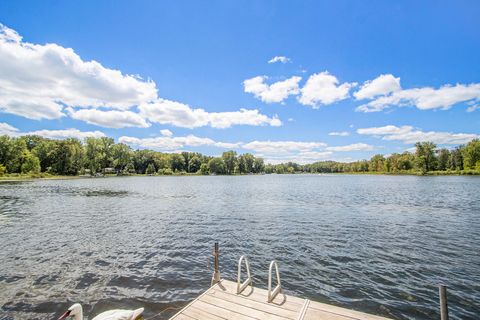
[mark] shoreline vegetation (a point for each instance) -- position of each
(33, 157)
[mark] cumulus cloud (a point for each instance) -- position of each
(110, 118)
(380, 86)
(37, 81)
(352, 147)
(409, 135)
(324, 88)
(66, 133)
(426, 98)
(7, 129)
(281, 146)
(300, 158)
(275, 92)
(49, 82)
(340, 133)
(473, 108)
(181, 115)
(166, 143)
(281, 59)
(166, 133)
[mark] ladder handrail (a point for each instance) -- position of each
(242, 286)
(278, 288)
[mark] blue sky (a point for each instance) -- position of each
(382, 74)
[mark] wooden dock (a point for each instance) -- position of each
(221, 301)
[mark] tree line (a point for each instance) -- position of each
(426, 158)
(36, 155)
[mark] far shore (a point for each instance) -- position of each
(28, 177)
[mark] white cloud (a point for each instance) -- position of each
(385, 130)
(109, 119)
(300, 158)
(281, 59)
(38, 80)
(181, 115)
(273, 147)
(340, 134)
(6, 129)
(166, 143)
(409, 135)
(66, 133)
(382, 85)
(166, 133)
(43, 81)
(352, 147)
(426, 98)
(473, 108)
(324, 88)
(276, 92)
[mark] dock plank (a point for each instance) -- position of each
(221, 302)
(255, 304)
(343, 311)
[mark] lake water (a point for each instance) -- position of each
(378, 244)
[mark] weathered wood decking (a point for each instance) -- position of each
(222, 302)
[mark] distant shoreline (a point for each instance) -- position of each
(26, 178)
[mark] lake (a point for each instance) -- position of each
(378, 244)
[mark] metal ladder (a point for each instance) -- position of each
(242, 285)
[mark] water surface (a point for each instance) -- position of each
(378, 244)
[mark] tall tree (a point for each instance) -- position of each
(30, 163)
(230, 160)
(443, 156)
(455, 161)
(122, 156)
(216, 166)
(177, 162)
(471, 155)
(258, 165)
(425, 156)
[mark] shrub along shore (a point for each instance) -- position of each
(29, 157)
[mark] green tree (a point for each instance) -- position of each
(186, 160)
(471, 154)
(443, 156)
(204, 168)
(376, 163)
(194, 164)
(67, 157)
(258, 165)
(122, 156)
(216, 166)
(161, 161)
(44, 150)
(30, 164)
(177, 162)
(229, 159)
(455, 161)
(150, 169)
(3, 169)
(425, 156)
(405, 161)
(249, 162)
(141, 160)
(241, 163)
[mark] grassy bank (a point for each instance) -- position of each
(33, 176)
